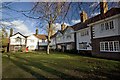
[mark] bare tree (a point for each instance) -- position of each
(49, 12)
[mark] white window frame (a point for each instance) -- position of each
(107, 25)
(109, 46)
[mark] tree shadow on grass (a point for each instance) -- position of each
(39, 65)
(23, 66)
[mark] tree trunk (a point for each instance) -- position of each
(48, 46)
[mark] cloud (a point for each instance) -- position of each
(19, 26)
(75, 21)
(94, 14)
(94, 4)
(58, 26)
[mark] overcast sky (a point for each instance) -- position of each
(27, 26)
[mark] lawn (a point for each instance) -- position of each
(38, 65)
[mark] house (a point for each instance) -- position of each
(17, 42)
(105, 29)
(64, 38)
(37, 42)
(83, 35)
(68, 38)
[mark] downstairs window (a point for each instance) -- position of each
(109, 46)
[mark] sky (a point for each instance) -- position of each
(27, 26)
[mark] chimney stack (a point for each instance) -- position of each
(36, 31)
(63, 26)
(11, 32)
(83, 16)
(103, 7)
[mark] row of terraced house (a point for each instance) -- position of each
(98, 35)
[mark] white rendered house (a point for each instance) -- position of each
(36, 42)
(17, 41)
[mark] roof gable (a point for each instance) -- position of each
(68, 30)
(59, 33)
(19, 34)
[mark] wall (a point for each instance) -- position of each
(106, 33)
(32, 42)
(81, 39)
(13, 40)
(67, 33)
(106, 54)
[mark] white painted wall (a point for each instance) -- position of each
(13, 40)
(53, 42)
(32, 42)
(59, 38)
(81, 39)
(67, 33)
(107, 33)
(118, 24)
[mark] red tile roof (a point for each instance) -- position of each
(41, 36)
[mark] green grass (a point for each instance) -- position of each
(58, 65)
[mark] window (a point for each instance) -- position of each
(102, 27)
(84, 32)
(32, 40)
(109, 46)
(83, 45)
(106, 46)
(116, 46)
(43, 41)
(111, 24)
(69, 47)
(102, 46)
(31, 47)
(18, 39)
(107, 26)
(68, 36)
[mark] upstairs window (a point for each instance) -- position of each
(43, 41)
(107, 26)
(32, 41)
(84, 32)
(102, 27)
(68, 36)
(18, 39)
(111, 24)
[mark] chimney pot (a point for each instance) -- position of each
(63, 26)
(83, 16)
(103, 7)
